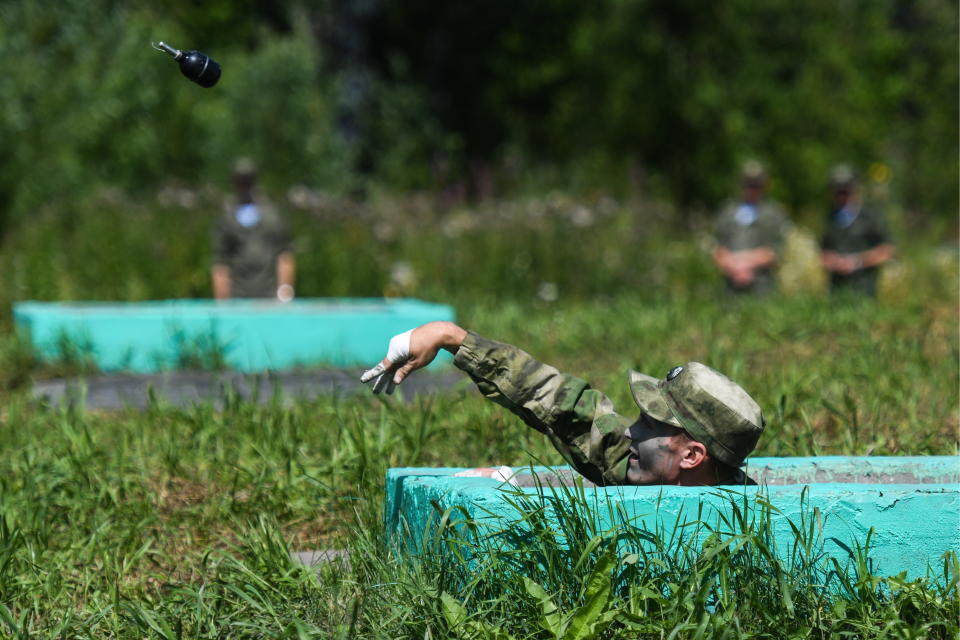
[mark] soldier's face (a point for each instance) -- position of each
(752, 191)
(842, 195)
(655, 452)
(243, 184)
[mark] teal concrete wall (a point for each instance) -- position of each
(914, 523)
(254, 334)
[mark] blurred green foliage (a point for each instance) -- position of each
(87, 103)
(582, 284)
(664, 98)
(535, 251)
(172, 522)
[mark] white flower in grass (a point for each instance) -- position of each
(300, 196)
(458, 223)
(384, 232)
(548, 292)
(402, 276)
(582, 217)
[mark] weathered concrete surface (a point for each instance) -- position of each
(254, 335)
(188, 388)
(860, 470)
(317, 559)
(914, 523)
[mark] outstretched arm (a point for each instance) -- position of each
(580, 422)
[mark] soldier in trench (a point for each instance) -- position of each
(696, 426)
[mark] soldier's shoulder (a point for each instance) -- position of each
(774, 208)
(270, 212)
(267, 205)
(226, 219)
(728, 209)
(871, 211)
(726, 216)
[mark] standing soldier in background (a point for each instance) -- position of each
(253, 256)
(855, 242)
(750, 234)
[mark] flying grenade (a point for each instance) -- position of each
(197, 66)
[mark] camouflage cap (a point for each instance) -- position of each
(842, 175)
(244, 167)
(706, 404)
(753, 173)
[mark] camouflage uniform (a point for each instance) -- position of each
(580, 422)
(741, 227)
(848, 234)
(248, 242)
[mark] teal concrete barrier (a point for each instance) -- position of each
(252, 335)
(912, 504)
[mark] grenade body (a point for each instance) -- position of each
(197, 66)
(200, 68)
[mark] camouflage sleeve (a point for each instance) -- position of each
(283, 237)
(580, 422)
(828, 241)
(223, 244)
(723, 227)
(784, 225)
(878, 233)
(275, 230)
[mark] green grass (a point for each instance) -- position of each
(178, 522)
(551, 571)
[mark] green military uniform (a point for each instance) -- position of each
(849, 233)
(581, 422)
(248, 240)
(742, 226)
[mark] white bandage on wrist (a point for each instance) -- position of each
(399, 349)
(398, 352)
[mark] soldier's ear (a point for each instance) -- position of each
(692, 454)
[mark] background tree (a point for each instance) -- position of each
(519, 96)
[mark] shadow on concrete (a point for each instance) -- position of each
(800, 471)
(187, 388)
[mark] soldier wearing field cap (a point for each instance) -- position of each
(696, 426)
(750, 233)
(253, 257)
(855, 242)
